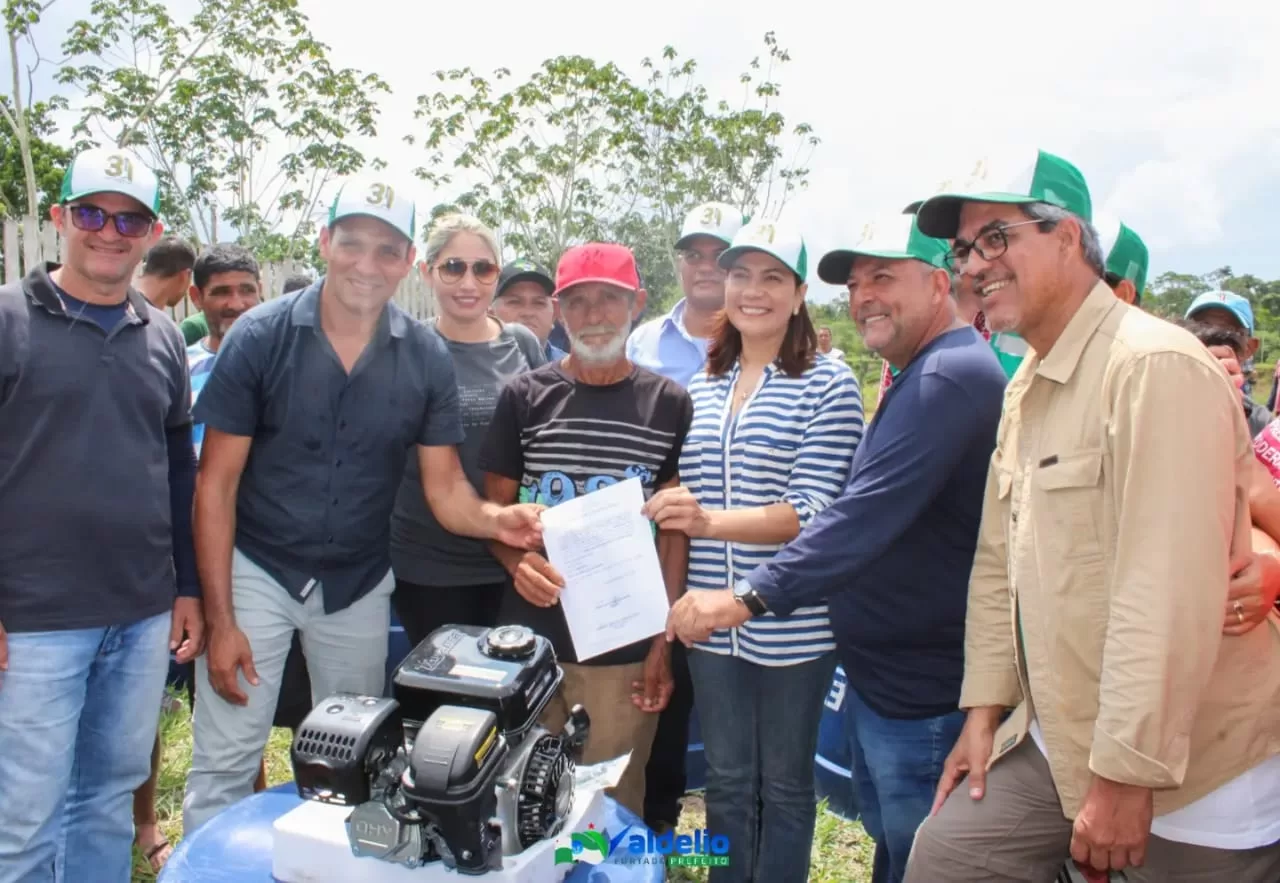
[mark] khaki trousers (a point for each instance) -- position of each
(617, 726)
(1018, 834)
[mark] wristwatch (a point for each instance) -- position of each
(749, 598)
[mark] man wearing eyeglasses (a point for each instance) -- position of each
(313, 405)
(96, 475)
(675, 346)
(1137, 737)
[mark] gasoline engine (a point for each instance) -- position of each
(454, 767)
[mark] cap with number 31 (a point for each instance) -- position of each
(111, 170)
(718, 220)
(776, 238)
(375, 198)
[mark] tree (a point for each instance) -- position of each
(24, 119)
(47, 160)
(581, 151)
(1171, 293)
(239, 111)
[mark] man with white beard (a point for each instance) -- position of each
(569, 428)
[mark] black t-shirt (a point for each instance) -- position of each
(561, 438)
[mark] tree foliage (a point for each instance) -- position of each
(25, 119)
(48, 159)
(581, 151)
(238, 109)
(1170, 294)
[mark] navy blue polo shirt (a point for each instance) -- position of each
(86, 414)
(892, 555)
(329, 449)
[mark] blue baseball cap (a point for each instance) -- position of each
(1224, 300)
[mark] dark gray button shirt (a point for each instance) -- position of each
(329, 449)
(86, 537)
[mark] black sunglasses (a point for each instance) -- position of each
(454, 269)
(91, 218)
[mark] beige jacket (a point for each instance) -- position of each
(1116, 495)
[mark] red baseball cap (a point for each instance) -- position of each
(605, 262)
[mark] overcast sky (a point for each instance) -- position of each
(1169, 108)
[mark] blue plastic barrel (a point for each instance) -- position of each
(831, 771)
(397, 649)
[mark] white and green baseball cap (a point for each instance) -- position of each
(775, 238)
(1126, 254)
(1048, 178)
(111, 170)
(375, 198)
(894, 237)
(719, 220)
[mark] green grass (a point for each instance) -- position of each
(1264, 379)
(175, 735)
(842, 853)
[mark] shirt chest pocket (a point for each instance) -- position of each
(1067, 503)
(766, 464)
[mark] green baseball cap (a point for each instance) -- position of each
(111, 170)
(775, 238)
(895, 238)
(1126, 254)
(375, 198)
(1049, 179)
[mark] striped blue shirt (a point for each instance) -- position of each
(200, 364)
(793, 441)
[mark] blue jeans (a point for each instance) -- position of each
(896, 768)
(760, 733)
(78, 717)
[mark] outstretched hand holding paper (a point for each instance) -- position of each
(602, 545)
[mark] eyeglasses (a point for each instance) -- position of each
(92, 219)
(452, 270)
(695, 258)
(989, 245)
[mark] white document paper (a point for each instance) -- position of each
(603, 547)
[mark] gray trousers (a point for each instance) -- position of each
(1018, 834)
(345, 651)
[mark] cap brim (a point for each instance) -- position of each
(596, 279)
(684, 241)
(939, 216)
(1224, 308)
(729, 255)
(93, 191)
(835, 266)
(528, 276)
(342, 217)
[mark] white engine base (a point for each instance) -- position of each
(311, 847)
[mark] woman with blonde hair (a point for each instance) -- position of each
(442, 578)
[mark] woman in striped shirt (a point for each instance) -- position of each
(772, 441)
